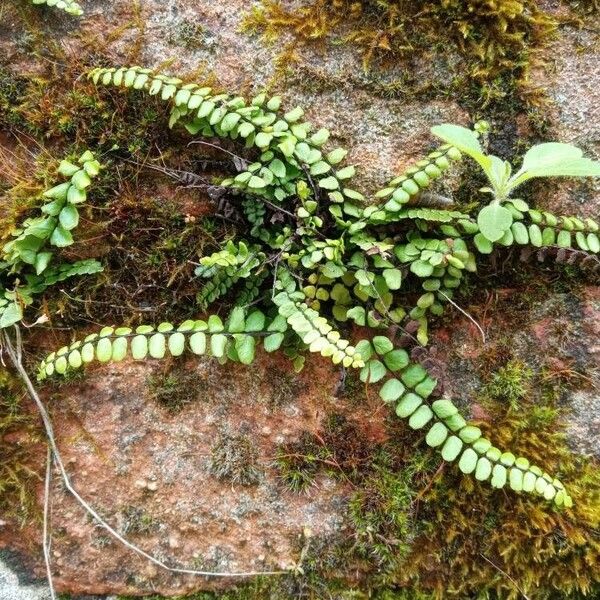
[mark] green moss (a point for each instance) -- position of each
(176, 389)
(235, 458)
(136, 520)
(510, 383)
(19, 435)
(300, 461)
(497, 42)
(188, 34)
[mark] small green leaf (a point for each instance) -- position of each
(494, 220)
(564, 239)
(444, 408)
(218, 342)
(396, 359)
(393, 278)
(520, 233)
(245, 348)
(437, 435)
(198, 342)
(176, 344)
(329, 183)
(372, 372)
(139, 347)
(75, 195)
(382, 345)
(469, 434)
(263, 139)
(357, 314)
(81, 180)
(11, 314)
(61, 238)
(391, 390)
(516, 479)
(408, 405)
(421, 268)
(69, 217)
(58, 192)
(237, 320)
(74, 359)
(255, 321)
(413, 375)
(365, 349)
(157, 346)
(420, 417)
(67, 169)
(215, 325)
(104, 350)
(498, 476)
(293, 115)
(468, 461)
(256, 182)
(273, 342)
(451, 448)
(484, 469)
(42, 259)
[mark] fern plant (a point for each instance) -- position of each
(315, 258)
(27, 262)
(69, 6)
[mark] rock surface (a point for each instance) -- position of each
(149, 471)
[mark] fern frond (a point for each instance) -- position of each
(235, 340)
(563, 231)
(542, 229)
(260, 124)
(251, 289)
(28, 256)
(409, 387)
(69, 6)
(315, 331)
(403, 188)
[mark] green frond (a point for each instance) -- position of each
(285, 140)
(29, 254)
(234, 340)
(409, 387)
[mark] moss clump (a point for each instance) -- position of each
(188, 34)
(136, 520)
(234, 458)
(340, 449)
(510, 383)
(18, 437)
(299, 462)
(176, 389)
(495, 39)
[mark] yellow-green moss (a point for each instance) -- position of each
(19, 435)
(495, 38)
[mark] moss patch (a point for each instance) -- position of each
(498, 43)
(19, 433)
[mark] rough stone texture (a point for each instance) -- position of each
(133, 458)
(17, 587)
(149, 471)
